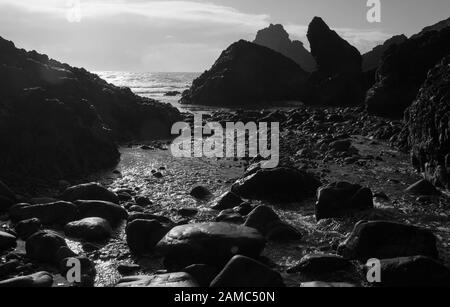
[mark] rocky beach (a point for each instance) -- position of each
(88, 176)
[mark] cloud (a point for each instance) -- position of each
(156, 10)
(363, 39)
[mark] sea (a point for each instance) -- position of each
(156, 85)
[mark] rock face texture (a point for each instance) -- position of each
(276, 38)
(372, 59)
(403, 70)
(246, 74)
(428, 122)
(57, 120)
(436, 27)
(338, 80)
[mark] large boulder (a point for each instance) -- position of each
(416, 271)
(170, 280)
(428, 125)
(209, 243)
(7, 240)
(143, 235)
(341, 198)
(384, 240)
(403, 70)
(276, 38)
(61, 121)
(269, 224)
(111, 212)
(90, 229)
(247, 74)
(278, 184)
(338, 80)
(89, 191)
(36, 280)
(44, 246)
(60, 212)
(245, 272)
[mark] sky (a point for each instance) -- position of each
(189, 35)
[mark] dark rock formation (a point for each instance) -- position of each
(372, 59)
(278, 184)
(246, 74)
(403, 70)
(111, 212)
(276, 38)
(36, 280)
(341, 198)
(89, 191)
(209, 243)
(143, 235)
(61, 121)
(245, 272)
(60, 212)
(384, 240)
(436, 27)
(169, 280)
(338, 80)
(93, 229)
(428, 126)
(416, 271)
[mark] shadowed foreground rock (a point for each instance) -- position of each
(36, 280)
(209, 243)
(428, 126)
(247, 74)
(384, 240)
(278, 184)
(245, 272)
(417, 271)
(341, 198)
(170, 280)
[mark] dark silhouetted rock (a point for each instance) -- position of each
(247, 74)
(338, 80)
(384, 240)
(59, 213)
(317, 264)
(209, 243)
(143, 235)
(341, 198)
(44, 245)
(245, 272)
(109, 211)
(7, 197)
(26, 228)
(269, 224)
(202, 273)
(276, 38)
(278, 184)
(59, 121)
(36, 280)
(89, 191)
(200, 192)
(228, 200)
(422, 187)
(170, 280)
(435, 27)
(7, 241)
(417, 271)
(403, 70)
(428, 126)
(372, 59)
(90, 229)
